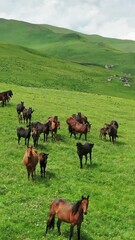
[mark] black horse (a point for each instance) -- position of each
(83, 150)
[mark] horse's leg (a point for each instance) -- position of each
(80, 157)
(32, 175)
(78, 231)
(28, 173)
(71, 231)
(58, 226)
(85, 159)
(50, 222)
(85, 136)
(28, 142)
(41, 171)
(19, 139)
(44, 171)
(90, 159)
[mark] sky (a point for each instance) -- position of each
(107, 18)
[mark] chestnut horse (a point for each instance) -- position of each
(54, 125)
(80, 128)
(69, 213)
(30, 160)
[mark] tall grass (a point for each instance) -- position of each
(110, 180)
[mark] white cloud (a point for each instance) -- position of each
(114, 18)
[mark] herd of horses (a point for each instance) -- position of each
(77, 124)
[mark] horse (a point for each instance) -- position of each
(54, 126)
(24, 133)
(103, 132)
(27, 115)
(67, 212)
(84, 150)
(20, 107)
(71, 120)
(111, 130)
(77, 118)
(80, 128)
(42, 128)
(3, 98)
(42, 158)
(30, 160)
(35, 135)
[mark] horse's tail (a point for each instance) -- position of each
(50, 223)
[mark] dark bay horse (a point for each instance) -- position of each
(69, 213)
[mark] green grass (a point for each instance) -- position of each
(110, 181)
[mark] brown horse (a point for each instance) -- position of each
(54, 126)
(71, 120)
(69, 213)
(30, 160)
(80, 128)
(76, 118)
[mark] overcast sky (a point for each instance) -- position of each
(108, 18)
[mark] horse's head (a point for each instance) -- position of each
(29, 152)
(88, 126)
(84, 204)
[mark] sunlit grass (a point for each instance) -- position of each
(25, 204)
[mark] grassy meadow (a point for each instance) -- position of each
(24, 205)
(61, 72)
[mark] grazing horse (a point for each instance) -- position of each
(3, 98)
(84, 150)
(9, 95)
(69, 213)
(81, 128)
(30, 160)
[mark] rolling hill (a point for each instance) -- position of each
(50, 57)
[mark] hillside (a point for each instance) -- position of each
(50, 57)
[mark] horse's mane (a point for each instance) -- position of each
(76, 206)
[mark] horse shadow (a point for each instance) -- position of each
(90, 166)
(45, 180)
(85, 236)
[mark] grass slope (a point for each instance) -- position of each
(67, 44)
(50, 57)
(25, 204)
(25, 67)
